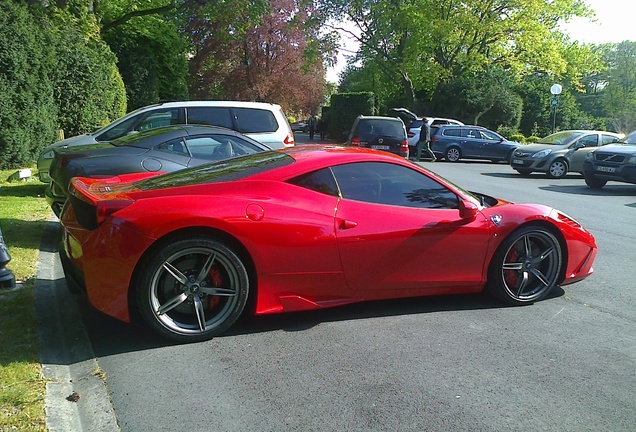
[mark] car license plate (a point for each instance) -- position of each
(517, 162)
(606, 169)
(377, 147)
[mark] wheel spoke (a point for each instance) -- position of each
(522, 284)
(527, 246)
(199, 312)
(172, 303)
(206, 267)
(221, 292)
(543, 256)
(176, 273)
(513, 266)
(539, 276)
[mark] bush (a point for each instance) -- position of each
(27, 106)
(518, 137)
(532, 139)
(344, 109)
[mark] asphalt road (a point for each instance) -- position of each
(567, 363)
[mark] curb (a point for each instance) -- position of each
(76, 397)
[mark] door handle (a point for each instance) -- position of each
(346, 224)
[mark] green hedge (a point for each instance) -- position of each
(344, 109)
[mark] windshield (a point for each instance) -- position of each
(561, 138)
(629, 139)
(217, 172)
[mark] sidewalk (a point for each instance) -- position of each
(76, 396)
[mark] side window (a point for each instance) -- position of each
(118, 131)
(471, 133)
(174, 146)
(453, 132)
(589, 141)
(489, 135)
(219, 147)
(383, 183)
(608, 139)
(213, 116)
(157, 118)
(320, 181)
(252, 120)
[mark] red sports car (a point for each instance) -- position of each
(304, 228)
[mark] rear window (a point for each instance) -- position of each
(251, 120)
(218, 172)
(370, 128)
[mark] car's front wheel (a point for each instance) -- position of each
(192, 289)
(594, 182)
(558, 169)
(526, 266)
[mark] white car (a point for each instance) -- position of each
(261, 121)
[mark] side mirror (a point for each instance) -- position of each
(578, 145)
(468, 209)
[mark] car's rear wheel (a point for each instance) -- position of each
(526, 267)
(594, 182)
(524, 172)
(558, 169)
(453, 154)
(192, 289)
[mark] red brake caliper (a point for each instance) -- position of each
(511, 275)
(217, 281)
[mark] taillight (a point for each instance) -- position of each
(107, 208)
(404, 146)
(289, 140)
(433, 138)
(410, 134)
(355, 142)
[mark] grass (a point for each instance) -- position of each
(23, 216)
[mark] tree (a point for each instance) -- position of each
(619, 93)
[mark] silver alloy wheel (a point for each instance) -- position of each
(558, 169)
(195, 290)
(531, 265)
(453, 154)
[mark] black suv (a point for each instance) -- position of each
(380, 133)
(470, 142)
(615, 162)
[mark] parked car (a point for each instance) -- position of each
(300, 127)
(379, 133)
(189, 248)
(263, 122)
(414, 124)
(453, 143)
(163, 149)
(560, 153)
(613, 162)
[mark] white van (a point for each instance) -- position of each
(261, 121)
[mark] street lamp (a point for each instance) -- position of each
(554, 102)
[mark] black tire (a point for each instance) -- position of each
(524, 172)
(558, 169)
(526, 267)
(453, 154)
(594, 182)
(192, 289)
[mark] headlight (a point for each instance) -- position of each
(541, 154)
(48, 155)
(632, 160)
(589, 156)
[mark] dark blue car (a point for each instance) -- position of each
(453, 143)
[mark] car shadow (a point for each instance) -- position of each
(610, 190)
(110, 336)
(568, 176)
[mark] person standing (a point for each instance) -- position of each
(424, 142)
(312, 126)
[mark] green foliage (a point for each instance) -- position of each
(532, 139)
(151, 59)
(344, 109)
(27, 106)
(88, 89)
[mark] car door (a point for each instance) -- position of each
(472, 143)
(491, 146)
(577, 154)
(399, 229)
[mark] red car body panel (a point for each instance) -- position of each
(309, 250)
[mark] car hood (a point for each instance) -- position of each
(627, 149)
(73, 141)
(537, 147)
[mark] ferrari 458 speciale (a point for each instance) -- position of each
(303, 228)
